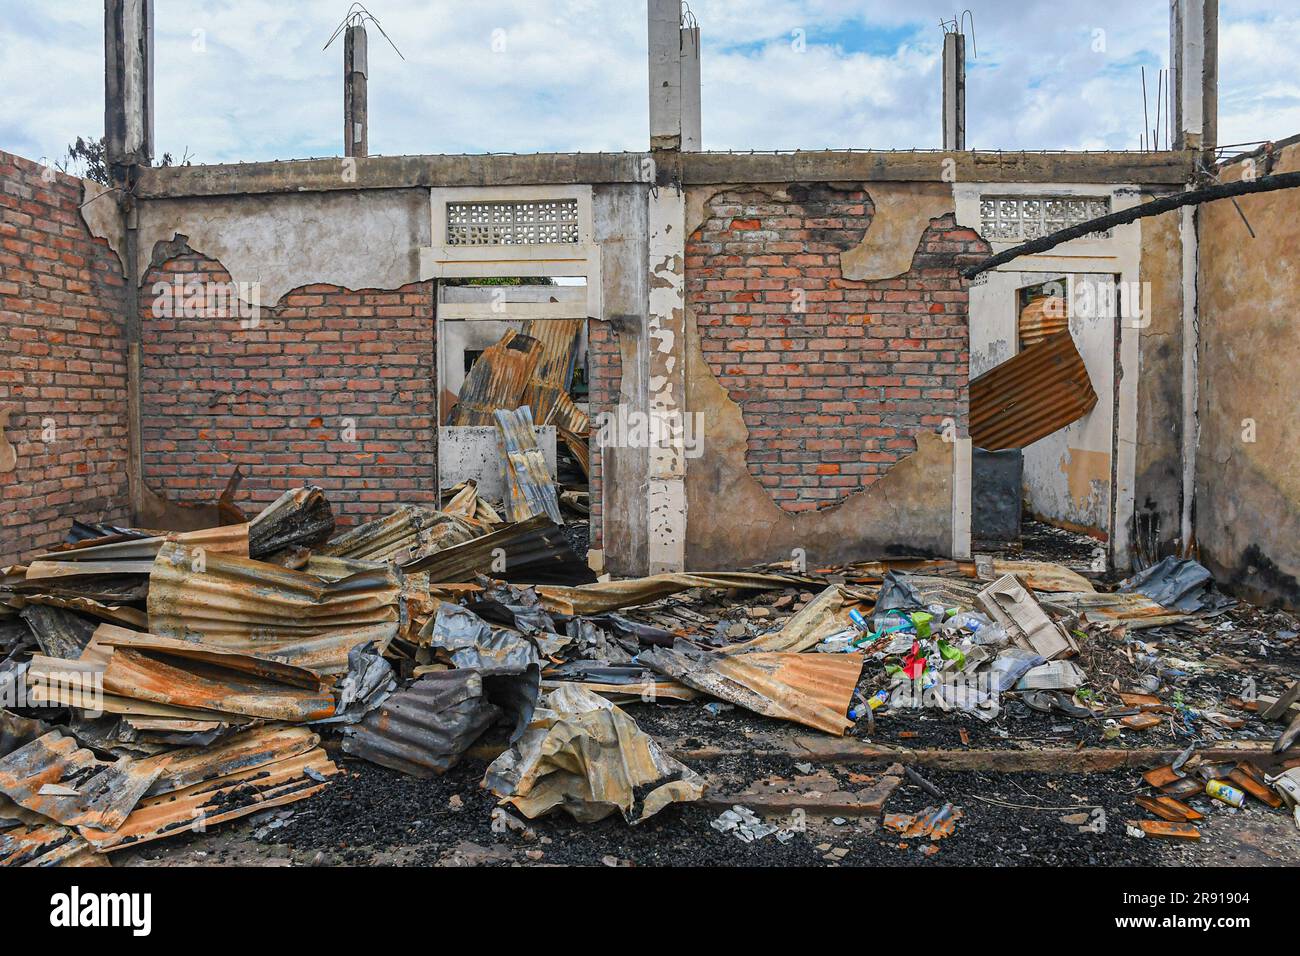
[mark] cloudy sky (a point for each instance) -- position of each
(246, 80)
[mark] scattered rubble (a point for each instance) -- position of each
(163, 683)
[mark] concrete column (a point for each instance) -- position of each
(690, 74)
(954, 91)
(355, 112)
(128, 82)
(664, 26)
(665, 341)
(1194, 63)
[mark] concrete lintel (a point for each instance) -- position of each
(703, 168)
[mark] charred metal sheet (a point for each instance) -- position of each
(536, 550)
(528, 481)
(117, 613)
(56, 778)
(811, 689)
(505, 656)
(1134, 610)
(1039, 391)
(229, 539)
(405, 535)
(587, 757)
(368, 682)
(424, 729)
(244, 751)
(59, 632)
(497, 379)
(206, 804)
(301, 517)
(16, 731)
(32, 840)
(604, 596)
(1179, 584)
(272, 611)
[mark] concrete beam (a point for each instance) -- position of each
(954, 91)
(128, 82)
(356, 114)
(542, 169)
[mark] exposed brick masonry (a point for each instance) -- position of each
(62, 363)
(277, 399)
(832, 394)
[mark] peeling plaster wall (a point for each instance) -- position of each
(1159, 475)
(1248, 491)
(356, 240)
(904, 507)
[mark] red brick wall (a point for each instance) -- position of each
(62, 363)
(832, 395)
(276, 399)
(605, 368)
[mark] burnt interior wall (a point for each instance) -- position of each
(1158, 483)
(1247, 469)
(328, 386)
(823, 397)
(64, 449)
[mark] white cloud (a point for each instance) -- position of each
(573, 75)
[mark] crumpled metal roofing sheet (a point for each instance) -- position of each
(215, 801)
(105, 793)
(272, 611)
(408, 533)
(811, 689)
(1039, 391)
(424, 729)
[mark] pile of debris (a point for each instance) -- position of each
(157, 683)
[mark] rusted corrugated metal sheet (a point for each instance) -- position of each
(244, 751)
(811, 689)
(424, 729)
(231, 683)
(215, 801)
(271, 611)
(1042, 318)
(299, 518)
(559, 339)
(528, 480)
(38, 841)
(120, 555)
(103, 793)
(536, 550)
(497, 380)
(1040, 391)
(611, 595)
(408, 533)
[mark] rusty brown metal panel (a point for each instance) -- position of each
(272, 611)
(215, 801)
(810, 689)
(1039, 391)
(497, 380)
(101, 794)
(189, 683)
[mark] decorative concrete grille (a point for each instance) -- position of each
(1018, 218)
(512, 223)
